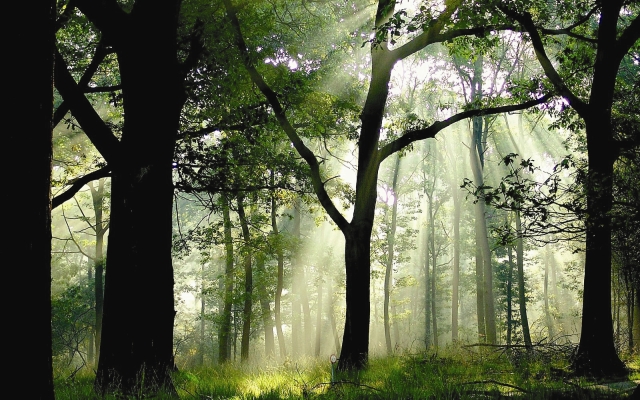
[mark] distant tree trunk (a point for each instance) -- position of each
(391, 238)
(280, 278)
(306, 310)
(636, 322)
(434, 262)
(265, 306)
(296, 305)
(224, 332)
(319, 317)
(482, 240)
(332, 316)
(248, 282)
(427, 291)
(509, 295)
(201, 347)
(455, 279)
(28, 115)
(547, 312)
(522, 299)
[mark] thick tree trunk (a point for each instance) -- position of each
(224, 332)
(434, 260)
(28, 116)
(137, 342)
(355, 341)
(427, 292)
(636, 322)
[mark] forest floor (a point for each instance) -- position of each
(460, 373)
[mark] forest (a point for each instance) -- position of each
(331, 199)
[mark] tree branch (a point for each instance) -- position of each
(94, 127)
(286, 126)
(431, 131)
(78, 183)
(107, 16)
(527, 22)
(628, 38)
(99, 55)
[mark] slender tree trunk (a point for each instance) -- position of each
(280, 278)
(522, 295)
(391, 238)
(224, 332)
(265, 306)
(509, 295)
(547, 312)
(319, 318)
(427, 291)
(201, 347)
(306, 310)
(636, 322)
(97, 196)
(332, 316)
(455, 279)
(434, 259)
(248, 282)
(296, 313)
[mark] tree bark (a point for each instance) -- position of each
(137, 343)
(29, 115)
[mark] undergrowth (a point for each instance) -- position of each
(454, 373)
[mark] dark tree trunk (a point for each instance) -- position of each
(355, 340)
(137, 342)
(97, 195)
(28, 115)
(248, 282)
(224, 333)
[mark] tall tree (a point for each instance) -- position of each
(371, 150)
(614, 31)
(31, 89)
(137, 342)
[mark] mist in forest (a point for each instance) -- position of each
(478, 234)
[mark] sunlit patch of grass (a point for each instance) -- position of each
(453, 373)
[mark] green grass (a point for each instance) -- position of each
(455, 373)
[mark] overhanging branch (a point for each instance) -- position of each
(431, 131)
